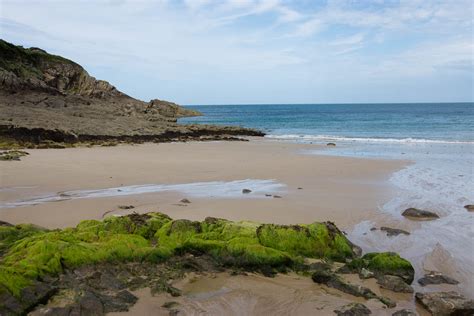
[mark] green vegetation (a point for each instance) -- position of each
(31, 253)
(384, 263)
(27, 62)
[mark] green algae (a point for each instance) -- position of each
(31, 253)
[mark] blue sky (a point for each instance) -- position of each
(259, 51)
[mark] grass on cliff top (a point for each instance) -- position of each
(26, 62)
(30, 253)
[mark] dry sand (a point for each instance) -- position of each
(343, 190)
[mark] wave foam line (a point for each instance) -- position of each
(364, 139)
(213, 189)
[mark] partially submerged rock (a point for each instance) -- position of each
(353, 309)
(445, 303)
(246, 191)
(436, 278)
(469, 207)
(394, 283)
(393, 231)
(419, 214)
(331, 144)
(185, 201)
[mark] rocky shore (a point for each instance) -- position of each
(93, 269)
(49, 101)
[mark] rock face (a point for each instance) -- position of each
(436, 278)
(445, 303)
(419, 214)
(44, 97)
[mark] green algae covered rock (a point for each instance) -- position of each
(30, 254)
(384, 263)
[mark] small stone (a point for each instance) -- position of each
(419, 214)
(469, 207)
(126, 207)
(246, 191)
(331, 144)
(366, 274)
(394, 283)
(373, 228)
(186, 201)
(300, 188)
(393, 231)
(277, 197)
(353, 309)
(436, 278)
(268, 195)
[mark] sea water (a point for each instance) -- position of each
(437, 140)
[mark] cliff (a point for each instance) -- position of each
(44, 98)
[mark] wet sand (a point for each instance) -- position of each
(339, 189)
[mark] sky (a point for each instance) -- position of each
(259, 51)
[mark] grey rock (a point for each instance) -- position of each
(246, 191)
(394, 283)
(353, 309)
(186, 201)
(436, 278)
(469, 207)
(405, 312)
(393, 231)
(419, 214)
(366, 274)
(445, 303)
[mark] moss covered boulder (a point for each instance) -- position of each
(384, 263)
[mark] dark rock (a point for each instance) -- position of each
(90, 304)
(126, 207)
(393, 231)
(331, 144)
(394, 283)
(268, 195)
(277, 197)
(300, 188)
(170, 304)
(405, 312)
(419, 214)
(186, 201)
(373, 228)
(469, 207)
(445, 303)
(436, 278)
(246, 191)
(2, 223)
(353, 309)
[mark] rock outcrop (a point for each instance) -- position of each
(48, 99)
(445, 303)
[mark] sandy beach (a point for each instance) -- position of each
(316, 188)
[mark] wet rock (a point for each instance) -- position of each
(185, 201)
(331, 144)
(419, 214)
(5, 224)
(373, 229)
(366, 274)
(246, 191)
(469, 207)
(436, 278)
(277, 197)
(394, 283)
(404, 312)
(445, 303)
(393, 231)
(170, 304)
(353, 309)
(12, 155)
(126, 207)
(90, 304)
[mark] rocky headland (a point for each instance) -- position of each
(50, 101)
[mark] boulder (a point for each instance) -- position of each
(436, 278)
(445, 303)
(353, 309)
(394, 283)
(419, 214)
(393, 231)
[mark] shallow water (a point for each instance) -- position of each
(213, 189)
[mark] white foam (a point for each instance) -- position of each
(303, 137)
(213, 189)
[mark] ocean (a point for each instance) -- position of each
(437, 140)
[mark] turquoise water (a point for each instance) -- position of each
(418, 121)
